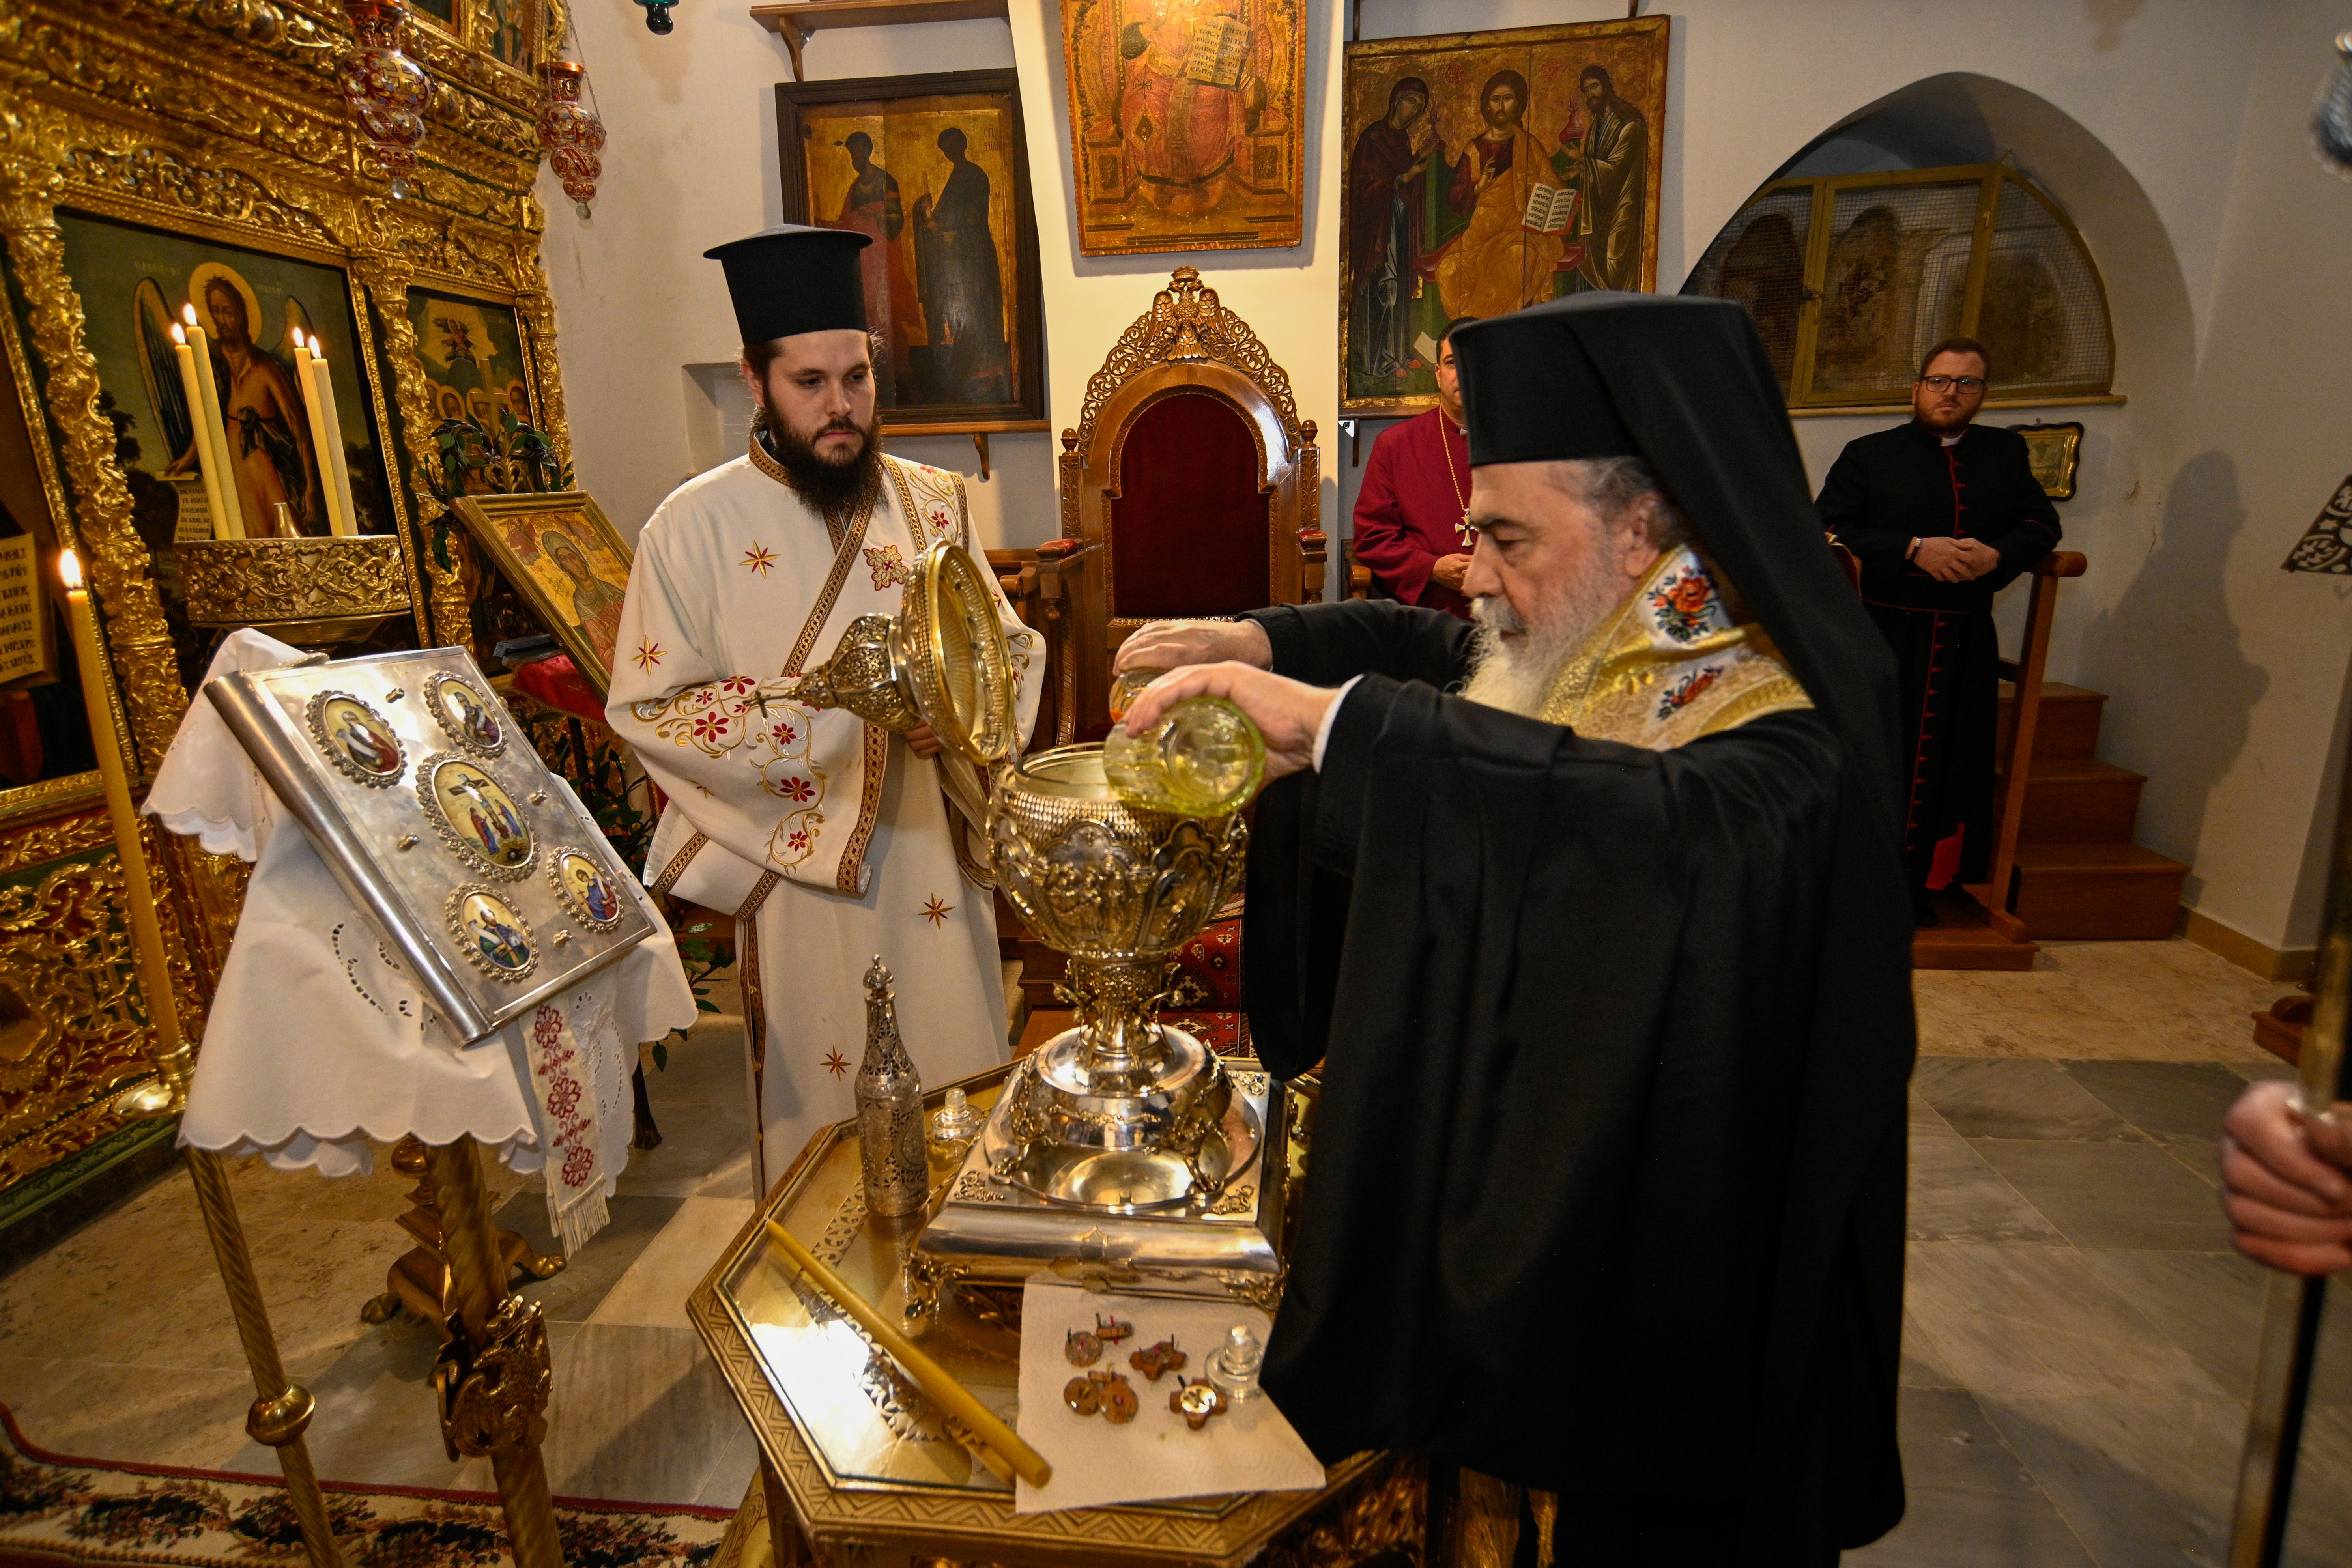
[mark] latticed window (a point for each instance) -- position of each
(1851, 278)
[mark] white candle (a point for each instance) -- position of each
(200, 441)
(314, 408)
(112, 746)
(335, 469)
(231, 523)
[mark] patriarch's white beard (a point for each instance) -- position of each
(1515, 676)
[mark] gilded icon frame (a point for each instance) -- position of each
(428, 801)
(1108, 143)
(492, 520)
(442, 386)
(2055, 450)
(472, 24)
(801, 104)
(190, 121)
(1373, 72)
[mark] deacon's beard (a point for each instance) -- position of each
(830, 487)
(1515, 675)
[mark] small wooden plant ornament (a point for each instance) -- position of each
(1107, 1393)
(1197, 1401)
(1153, 1360)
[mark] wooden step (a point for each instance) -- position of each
(2097, 891)
(2079, 800)
(1964, 939)
(2069, 724)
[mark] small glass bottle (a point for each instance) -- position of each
(1203, 758)
(955, 1121)
(1234, 1366)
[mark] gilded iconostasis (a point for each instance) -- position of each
(284, 352)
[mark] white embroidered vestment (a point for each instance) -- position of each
(828, 838)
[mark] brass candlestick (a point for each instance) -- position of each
(281, 1409)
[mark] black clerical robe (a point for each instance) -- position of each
(1606, 1192)
(1885, 490)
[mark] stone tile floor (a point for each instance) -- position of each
(2078, 1345)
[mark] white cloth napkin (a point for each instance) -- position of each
(1249, 1448)
(317, 1044)
(207, 790)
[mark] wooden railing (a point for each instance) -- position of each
(2025, 672)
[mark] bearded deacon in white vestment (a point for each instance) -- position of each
(830, 839)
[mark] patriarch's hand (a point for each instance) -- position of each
(1287, 713)
(2285, 1186)
(923, 744)
(1167, 645)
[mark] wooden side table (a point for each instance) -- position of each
(856, 1466)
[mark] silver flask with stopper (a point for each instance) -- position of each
(890, 1110)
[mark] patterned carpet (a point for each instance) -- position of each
(57, 1509)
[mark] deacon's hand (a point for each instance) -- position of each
(923, 744)
(2284, 1183)
(1449, 571)
(1287, 713)
(1170, 644)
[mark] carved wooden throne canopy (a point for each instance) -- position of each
(1191, 487)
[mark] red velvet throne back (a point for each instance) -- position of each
(1189, 524)
(1188, 487)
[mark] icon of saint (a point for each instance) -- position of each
(363, 743)
(595, 604)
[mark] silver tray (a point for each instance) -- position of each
(992, 1230)
(445, 828)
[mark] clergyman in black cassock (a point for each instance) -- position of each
(1606, 1195)
(1884, 491)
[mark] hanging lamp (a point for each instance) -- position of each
(388, 92)
(572, 132)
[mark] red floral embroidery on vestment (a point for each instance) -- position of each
(786, 734)
(1681, 606)
(887, 566)
(1682, 692)
(735, 684)
(797, 840)
(796, 788)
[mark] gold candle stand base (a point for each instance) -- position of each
(420, 1281)
(493, 1375)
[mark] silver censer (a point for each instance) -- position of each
(890, 1110)
(1122, 1153)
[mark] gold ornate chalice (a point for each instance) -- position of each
(1121, 1150)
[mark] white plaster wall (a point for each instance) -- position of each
(2171, 128)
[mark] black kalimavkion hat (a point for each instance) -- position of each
(793, 279)
(1530, 392)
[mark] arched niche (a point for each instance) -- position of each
(1960, 118)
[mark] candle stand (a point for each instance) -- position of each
(281, 1409)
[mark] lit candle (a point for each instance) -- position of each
(335, 469)
(232, 515)
(304, 363)
(200, 440)
(108, 741)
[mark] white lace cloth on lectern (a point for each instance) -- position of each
(318, 1045)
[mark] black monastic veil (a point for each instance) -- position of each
(1606, 1194)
